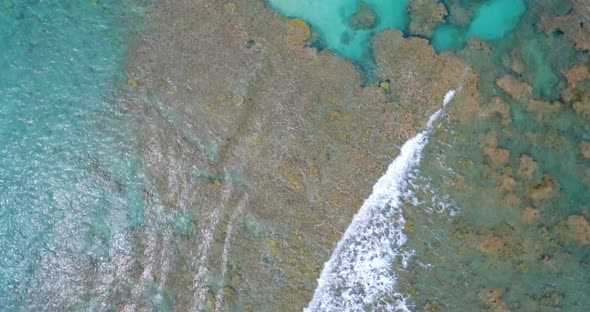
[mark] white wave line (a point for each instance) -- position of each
(225, 254)
(200, 289)
(150, 241)
(165, 258)
(359, 272)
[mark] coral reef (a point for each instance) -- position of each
(580, 228)
(585, 149)
(492, 299)
(572, 24)
(497, 107)
(541, 189)
(578, 73)
(364, 18)
(529, 214)
(425, 16)
(491, 245)
(519, 90)
(237, 111)
(418, 75)
(527, 167)
(298, 32)
(497, 156)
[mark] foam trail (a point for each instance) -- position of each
(225, 254)
(199, 285)
(359, 273)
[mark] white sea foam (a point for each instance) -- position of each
(359, 274)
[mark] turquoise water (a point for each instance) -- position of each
(492, 20)
(69, 178)
(331, 19)
(495, 18)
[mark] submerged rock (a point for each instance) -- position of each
(580, 228)
(583, 107)
(530, 214)
(574, 25)
(542, 109)
(364, 18)
(459, 15)
(497, 107)
(507, 183)
(541, 189)
(491, 139)
(517, 89)
(295, 123)
(511, 199)
(466, 106)
(551, 298)
(578, 73)
(585, 149)
(492, 299)
(425, 16)
(490, 245)
(516, 63)
(527, 167)
(497, 156)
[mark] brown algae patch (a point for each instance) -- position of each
(584, 148)
(530, 215)
(541, 189)
(580, 228)
(492, 299)
(298, 32)
(426, 15)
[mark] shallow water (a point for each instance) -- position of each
(456, 202)
(538, 267)
(491, 20)
(358, 275)
(69, 177)
(332, 21)
(101, 210)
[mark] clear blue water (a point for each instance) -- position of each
(69, 178)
